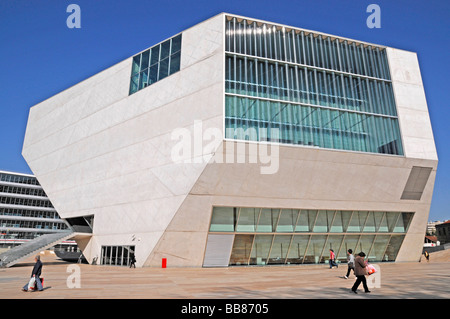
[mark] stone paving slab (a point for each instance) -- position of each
(421, 280)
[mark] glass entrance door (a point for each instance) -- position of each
(117, 255)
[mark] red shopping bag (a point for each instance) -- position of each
(35, 283)
(370, 269)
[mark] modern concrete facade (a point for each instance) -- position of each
(105, 148)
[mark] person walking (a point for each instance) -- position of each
(132, 261)
(360, 273)
(350, 263)
(333, 259)
(427, 255)
(35, 274)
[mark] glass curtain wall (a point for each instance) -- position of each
(292, 86)
(155, 63)
(301, 236)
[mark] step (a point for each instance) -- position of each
(18, 253)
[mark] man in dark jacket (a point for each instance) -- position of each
(36, 273)
(360, 273)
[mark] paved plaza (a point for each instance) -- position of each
(424, 280)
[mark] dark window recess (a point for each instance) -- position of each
(82, 224)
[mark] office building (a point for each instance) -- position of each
(25, 210)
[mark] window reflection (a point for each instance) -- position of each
(292, 236)
(345, 85)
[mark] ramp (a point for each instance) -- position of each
(19, 253)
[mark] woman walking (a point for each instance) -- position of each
(333, 259)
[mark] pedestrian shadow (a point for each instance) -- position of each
(43, 289)
(349, 290)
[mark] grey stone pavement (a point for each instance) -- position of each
(419, 280)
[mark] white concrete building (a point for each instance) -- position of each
(338, 150)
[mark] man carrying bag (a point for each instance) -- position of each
(35, 274)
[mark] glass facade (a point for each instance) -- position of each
(297, 87)
(155, 63)
(300, 236)
(25, 210)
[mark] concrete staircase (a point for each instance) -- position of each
(17, 254)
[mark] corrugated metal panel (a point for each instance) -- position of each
(416, 183)
(218, 250)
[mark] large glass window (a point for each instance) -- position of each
(261, 249)
(116, 255)
(279, 250)
(247, 219)
(242, 248)
(297, 249)
(297, 236)
(223, 219)
(320, 95)
(155, 64)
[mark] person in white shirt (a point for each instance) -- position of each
(350, 263)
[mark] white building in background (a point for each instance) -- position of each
(336, 150)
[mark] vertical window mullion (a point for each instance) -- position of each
(264, 40)
(339, 55)
(386, 65)
(347, 57)
(379, 63)
(255, 38)
(303, 48)
(357, 59)
(331, 54)
(372, 119)
(321, 45)
(363, 58)
(373, 63)
(299, 48)
(244, 37)
(312, 51)
(234, 38)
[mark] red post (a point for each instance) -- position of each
(164, 263)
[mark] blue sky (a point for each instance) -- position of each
(40, 56)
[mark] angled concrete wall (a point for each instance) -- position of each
(97, 150)
(308, 178)
(414, 120)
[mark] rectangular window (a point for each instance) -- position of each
(155, 64)
(292, 236)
